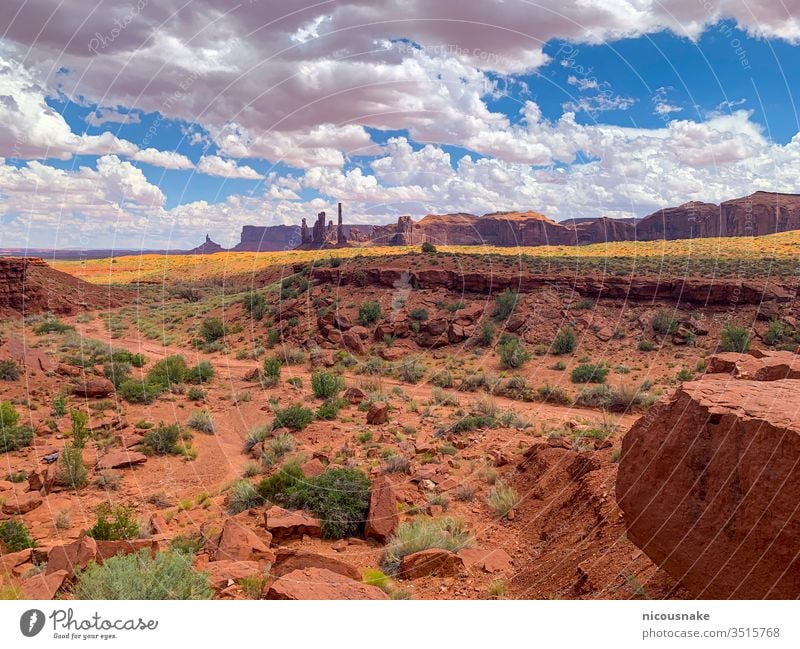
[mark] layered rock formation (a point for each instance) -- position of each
(28, 284)
(208, 247)
(689, 290)
(709, 483)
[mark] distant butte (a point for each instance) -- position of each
(758, 214)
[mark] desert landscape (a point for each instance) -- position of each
(611, 421)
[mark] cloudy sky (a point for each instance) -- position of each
(146, 124)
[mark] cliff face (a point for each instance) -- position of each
(755, 215)
(750, 216)
(28, 284)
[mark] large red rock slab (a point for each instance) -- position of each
(383, 517)
(435, 561)
(108, 549)
(769, 366)
(285, 525)
(44, 586)
(709, 485)
(120, 460)
(318, 584)
(224, 573)
(71, 556)
(489, 560)
(291, 559)
(21, 503)
(94, 387)
(378, 413)
(237, 542)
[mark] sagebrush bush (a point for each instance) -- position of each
(330, 408)
(72, 471)
(664, 322)
(564, 341)
(271, 372)
(14, 536)
(326, 384)
(12, 435)
(137, 391)
(168, 575)
(114, 523)
(255, 304)
(163, 439)
(512, 352)
(504, 304)
(52, 325)
(117, 372)
(295, 417)
(734, 339)
(424, 533)
(411, 371)
(212, 329)
(369, 312)
(168, 371)
(203, 372)
(9, 370)
(242, 496)
(485, 334)
(338, 497)
(589, 373)
(256, 435)
(201, 420)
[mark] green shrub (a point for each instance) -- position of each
(443, 379)
(71, 470)
(212, 329)
(338, 497)
(117, 372)
(485, 335)
(411, 371)
(256, 435)
(512, 352)
(12, 435)
(80, 432)
(565, 341)
(419, 314)
(271, 372)
(52, 326)
(734, 339)
(255, 304)
(168, 575)
(281, 444)
(428, 248)
(14, 536)
(59, 408)
(124, 356)
(201, 420)
(330, 408)
(589, 373)
(369, 312)
(9, 370)
(295, 417)
(163, 439)
(168, 371)
(776, 332)
(504, 304)
(243, 496)
(646, 346)
(114, 523)
(326, 384)
(276, 487)
(424, 533)
(664, 322)
(502, 499)
(138, 391)
(203, 372)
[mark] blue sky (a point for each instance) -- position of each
(174, 129)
